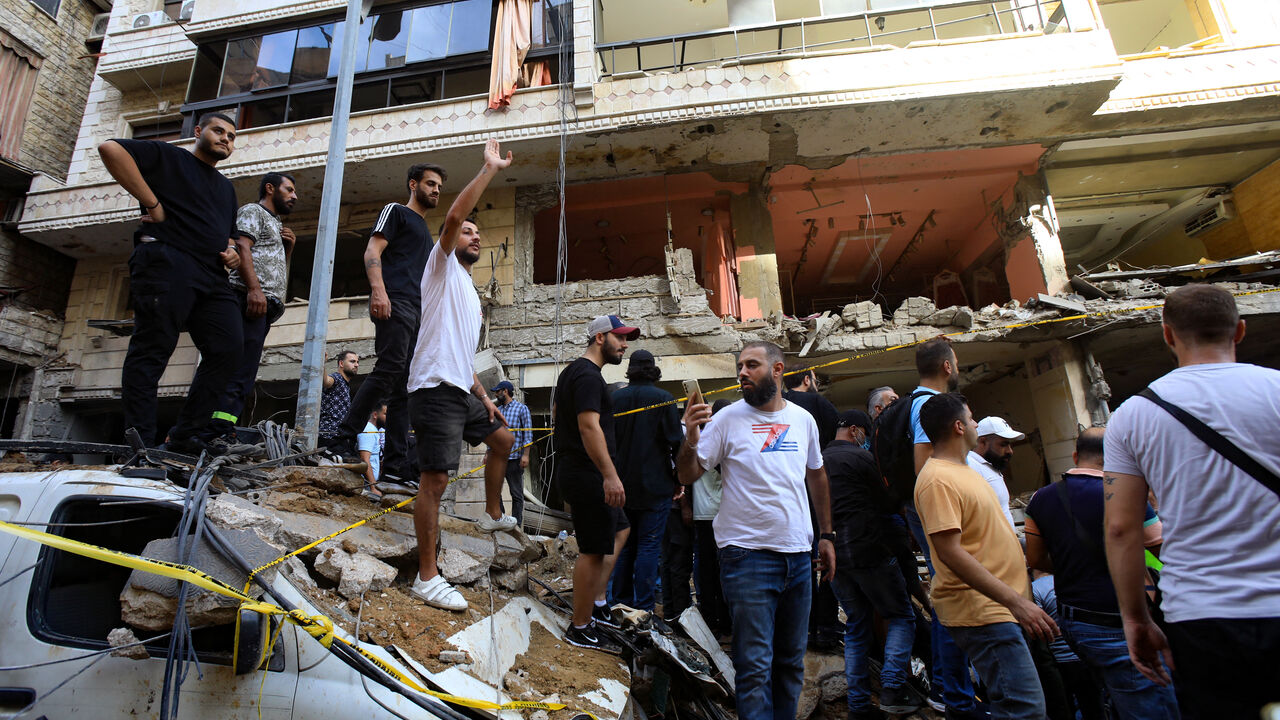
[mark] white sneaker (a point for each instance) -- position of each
(488, 524)
(437, 592)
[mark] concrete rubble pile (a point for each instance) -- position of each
(509, 643)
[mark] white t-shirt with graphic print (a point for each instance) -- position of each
(763, 459)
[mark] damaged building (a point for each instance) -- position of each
(842, 177)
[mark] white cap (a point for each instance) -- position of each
(993, 425)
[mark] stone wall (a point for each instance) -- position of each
(62, 83)
(45, 272)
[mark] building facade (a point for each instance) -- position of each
(840, 176)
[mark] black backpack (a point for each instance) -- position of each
(893, 446)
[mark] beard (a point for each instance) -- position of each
(282, 204)
(466, 257)
(953, 383)
(613, 356)
(424, 198)
(999, 462)
(759, 395)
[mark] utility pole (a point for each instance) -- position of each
(313, 349)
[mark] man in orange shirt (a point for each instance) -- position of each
(980, 591)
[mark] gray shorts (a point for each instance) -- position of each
(442, 417)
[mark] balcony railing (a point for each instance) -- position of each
(841, 33)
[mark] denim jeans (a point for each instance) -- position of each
(636, 573)
(1133, 696)
(950, 669)
(862, 592)
(1004, 663)
(769, 595)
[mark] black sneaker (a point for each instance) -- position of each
(603, 615)
(898, 700)
(193, 446)
(590, 637)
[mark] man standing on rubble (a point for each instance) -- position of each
(588, 474)
(518, 417)
(767, 450)
(264, 246)
(393, 261)
(176, 277)
(441, 409)
(991, 457)
(1204, 439)
(647, 445)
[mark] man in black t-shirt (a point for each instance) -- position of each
(394, 261)
(176, 274)
(588, 478)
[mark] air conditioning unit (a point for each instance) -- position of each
(188, 9)
(150, 19)
(98, 30)
(1216, 214)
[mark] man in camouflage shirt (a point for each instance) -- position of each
(264, 245)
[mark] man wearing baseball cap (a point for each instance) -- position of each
(991, 458)
(588, 475)
(518, 418)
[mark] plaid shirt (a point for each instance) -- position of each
(518, 416)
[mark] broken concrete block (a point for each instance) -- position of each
(233, 512)
(913, 310)
(295, 571)
(454, 657)
(330, 479)
(864, 315)
(963, 317)
(355, 574)
(940, 318)
(819, 667)
(298, 529)
(124, 636)
(461, 568)
(150, 601)
(514, 580)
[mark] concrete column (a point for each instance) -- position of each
(1034, 262)
(1061, 392)
(757, 257)
(584, 51)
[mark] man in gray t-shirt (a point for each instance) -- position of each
(264, 245)
(1221, 553)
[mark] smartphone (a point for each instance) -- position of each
(693, 392)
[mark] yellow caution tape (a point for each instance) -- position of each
(317, 626)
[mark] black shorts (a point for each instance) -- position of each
(442, 417)
(595, 523)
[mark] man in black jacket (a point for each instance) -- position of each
(647, 446)
(868, 579)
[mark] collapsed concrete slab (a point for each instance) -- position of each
(355, 573)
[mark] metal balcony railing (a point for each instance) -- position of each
(812, 36)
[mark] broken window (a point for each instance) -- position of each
(75, 600)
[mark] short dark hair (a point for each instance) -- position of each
(417, 171)
(644, 373)
(771, 351)
(272, 178)
(471, 218)
(1202, 314)
(205, 118)
(343, 355)
(719, 405)
(939, 412)
(795, 375)
(1090, 443)
(931, 356)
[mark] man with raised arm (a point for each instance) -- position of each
(177, 278)
(447, 402)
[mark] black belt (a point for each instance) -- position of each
(1105, 619)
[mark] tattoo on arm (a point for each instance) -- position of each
(372, 263)
(1107, 498)
(1109, 479)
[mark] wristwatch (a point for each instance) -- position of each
(828, 536)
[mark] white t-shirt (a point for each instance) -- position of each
(370, 440)
(995, 480)
(1221, 527)
(763, 458)
(450, 329)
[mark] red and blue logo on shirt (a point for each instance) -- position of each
(775, 437)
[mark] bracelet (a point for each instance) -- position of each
(152, 207)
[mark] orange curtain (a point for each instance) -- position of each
(512, 36)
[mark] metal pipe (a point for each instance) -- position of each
(313, 348)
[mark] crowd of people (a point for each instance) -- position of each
(773, 511)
